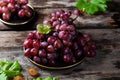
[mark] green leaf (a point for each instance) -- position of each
(56, 78)
(12, 74)
(48, 78)
(43, 28)
(92, 6)
(15, 66)
(3, 77)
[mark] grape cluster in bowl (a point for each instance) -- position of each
(56, 42)
(18, 9)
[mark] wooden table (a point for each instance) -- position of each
(105, 66)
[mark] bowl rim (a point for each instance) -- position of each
(20, 23)
(57, 68)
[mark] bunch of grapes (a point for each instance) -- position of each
(14, 9)
(64, 45)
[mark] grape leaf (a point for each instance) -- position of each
(92, 6)
(43, 28)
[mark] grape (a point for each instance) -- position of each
(43, 44)
(67, 58)
(77, 12)
(11, 1)
(23, 2)
(28, 13)
(63, 27)
(57, 44)
(50, 48)
(50, 56)
(5, 9)
(21, 13)
(28, 43)
(64, 44)
(42, 53)
(63, 35)
(48, 22)
(36, 59)
(34, 51)
(51, 39)
(11, 7)
(17, 6)
(55, 23)
(36, 44)
(39, 35)
(6, 16)
(70, 28)
(30, 35)
(27, 52)
(44, 60)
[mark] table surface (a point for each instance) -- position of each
(105, 66)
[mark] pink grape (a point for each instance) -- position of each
(6, 16)
(21, 13)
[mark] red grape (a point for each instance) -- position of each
(34, 51)
(11, 7)
(67, 58)
(27, 52)
(57, 44)
(21, 13)
(5, 9)
(50, 48)
(36, 59)
(51, 39)
(23, 2)
(48, 22)
(6, 16)
(77, 12)
(42, 53)
(28, 13)
(43, 44)
(63, 35)
(28, 43)
(36, 44)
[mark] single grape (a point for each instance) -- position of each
(17, 6)
(51, 39)
(36, 44)
(44, 61)
(48, 22)
(55, 34)
(6, 16)
(53, 14)
(63, 35)
(42, 53)
(70, 28)
(58, 13)
(75, 46)
(30, 35)
(66, 50)
(28, 43)
(50, 48)
(28, 13)
(25, 7)
(11, 7)
(5, 9)
(50, 56)
(11, 1)
(78, 53)
(43, 44)
(57, 28)
(27, 52)
(23, 2)
(55, 23)
(81, 41)
(36, 59)
(77, 12)
(21, 13)
(34, 51)
(73, 60)
(67, 58)
(57, 44)
(63, 27)
(67, 43)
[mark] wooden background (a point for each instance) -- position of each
(104, 30)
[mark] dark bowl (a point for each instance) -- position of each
(57, 67)
(17, 21)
